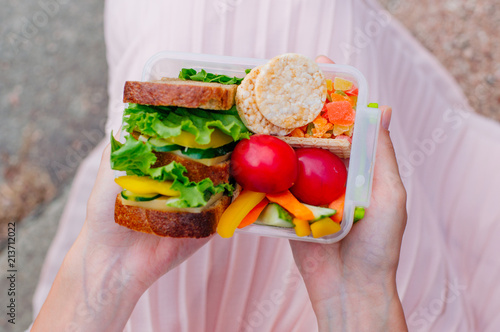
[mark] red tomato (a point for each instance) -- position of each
(321, 176)
(264, 163)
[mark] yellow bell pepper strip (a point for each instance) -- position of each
(323, 227)
(302, 227)
(254, 214)
(142, 185)
(235, 213)
(291, 204)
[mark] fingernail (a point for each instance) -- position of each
(386, 118)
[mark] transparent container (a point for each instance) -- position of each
(362, 159)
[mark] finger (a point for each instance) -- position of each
(323, 59)
(387, 185)
(105, 189)
(386, 156)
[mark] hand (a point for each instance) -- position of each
(351, 283)
(108, 267)
(145, 256)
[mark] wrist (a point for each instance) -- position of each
(373, 306)
(92, 291)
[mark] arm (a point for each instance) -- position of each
(352, 286)
(108, 267)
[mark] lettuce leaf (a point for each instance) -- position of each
(169, 121)
(203, 76)
(136, 158)
(133, 156)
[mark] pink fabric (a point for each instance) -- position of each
(448, 157)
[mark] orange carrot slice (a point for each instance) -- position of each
(291, 204)
(340, 112)
(252, 216)
(338, 205)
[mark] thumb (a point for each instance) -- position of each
(323, 59)
(387, 182)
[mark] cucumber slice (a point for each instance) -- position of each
(275, 215)
(320, 212)
(130, 196)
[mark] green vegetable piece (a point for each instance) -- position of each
(169, 121)
(247, 71)
(359, 213)
(203, 76)
(130, 196)
(275, 215)
(340, 92)
(373, 105)
(136, 158)
(309, 129)
(320, 212)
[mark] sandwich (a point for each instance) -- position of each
(173, 159)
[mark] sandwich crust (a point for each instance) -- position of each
(171, 224)
(177, 92)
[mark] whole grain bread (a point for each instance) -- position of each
(171, 224)
(196, 171)
(182, 93)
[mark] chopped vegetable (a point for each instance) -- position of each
(297, 133)
(252, 216)
(237, 211)
(338, 205)
(353, 91)
(302, 227)
(342, 84)
(340, 112)
(324, 227)
(143, 185)
(203, 76)
(359, 213)
(340, 97)
(329, 85)
(275, 215)
(291, 204)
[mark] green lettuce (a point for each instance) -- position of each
(136, 158)
(203, 76)
(169, 121)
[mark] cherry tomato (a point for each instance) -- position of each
(321, 176)
(264, 163)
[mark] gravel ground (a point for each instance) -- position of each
(52, 97)
(53, 103)
(464, 36)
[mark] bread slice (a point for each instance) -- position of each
(182, 93)
(196, 171)
(171, 224)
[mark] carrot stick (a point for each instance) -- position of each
(338, 205)
(290, 203)
(252, 216)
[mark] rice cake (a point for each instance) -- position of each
(248, 110)
(290, 90)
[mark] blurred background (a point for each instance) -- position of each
(53, 104)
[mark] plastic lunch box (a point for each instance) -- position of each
(362, 159)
